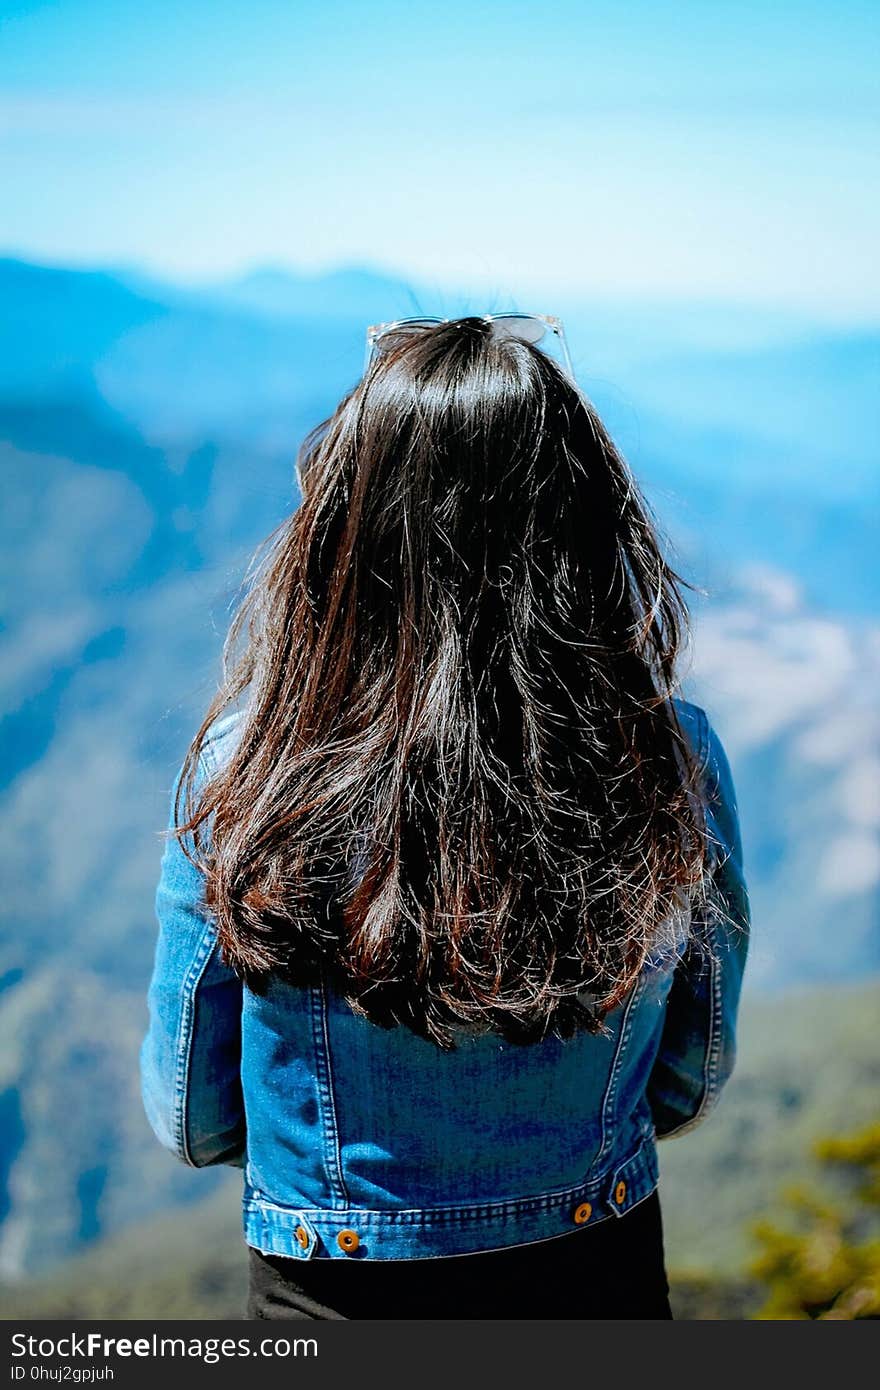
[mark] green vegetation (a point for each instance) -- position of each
(808, 1067)
(828, 1266)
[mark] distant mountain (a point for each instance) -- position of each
(57, 324)
(807, 410)
(147, 436)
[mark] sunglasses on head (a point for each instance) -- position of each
(528, 328)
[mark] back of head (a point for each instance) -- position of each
(460, 787)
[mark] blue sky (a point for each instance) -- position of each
(707, 150)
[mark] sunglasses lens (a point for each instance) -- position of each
(528, 330)
(383, 337)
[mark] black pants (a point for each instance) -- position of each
(614, 1269)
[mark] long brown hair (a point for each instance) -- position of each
(460, 787)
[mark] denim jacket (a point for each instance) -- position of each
(361, 1142)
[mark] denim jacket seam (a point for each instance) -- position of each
(327, 1099)
(185, 1032)
(610, 1095)
(704, 742)
(709, 1088)
(642, 1153)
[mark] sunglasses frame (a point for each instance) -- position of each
(549, 322)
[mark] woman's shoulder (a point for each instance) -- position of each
(708, 744)
(221, 738)
(716, 776)
(695, 726)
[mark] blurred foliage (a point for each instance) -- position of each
(828, 1265)
(794, 1082)
(707, 1297)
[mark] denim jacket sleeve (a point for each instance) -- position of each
(190, 1056)
(698, 1044)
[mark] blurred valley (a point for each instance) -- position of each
(147, 440)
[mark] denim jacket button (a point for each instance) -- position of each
(620, 1193)
(582, 1213)
(348, 1241)
(302, 1237)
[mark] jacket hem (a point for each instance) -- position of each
(306, 1232)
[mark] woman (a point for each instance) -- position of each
(452, 918)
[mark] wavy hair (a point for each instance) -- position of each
(460, 789)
